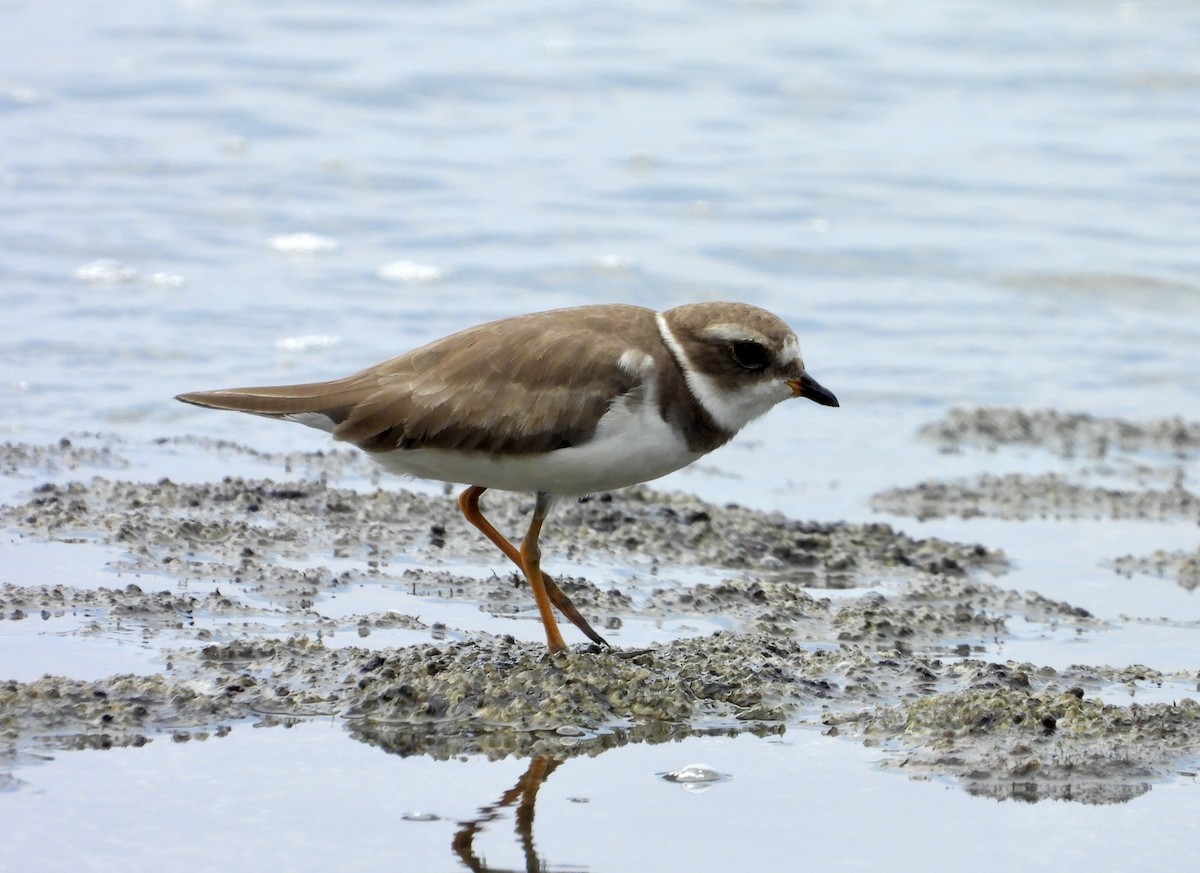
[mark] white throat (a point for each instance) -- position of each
(731, 410)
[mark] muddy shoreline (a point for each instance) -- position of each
(230, 576)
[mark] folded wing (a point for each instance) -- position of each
(523, 385)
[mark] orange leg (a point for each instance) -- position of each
(531, 559)
(468, 502)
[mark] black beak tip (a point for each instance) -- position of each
(816, 392)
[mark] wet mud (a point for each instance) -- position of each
(1065, 434)
(1116, 470)
(1181, 565)
(231, 579)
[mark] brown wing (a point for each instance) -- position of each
(528, 384)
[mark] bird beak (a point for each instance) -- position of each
(807, 386)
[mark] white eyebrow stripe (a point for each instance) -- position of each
(791, 350)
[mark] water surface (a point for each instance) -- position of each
(954, 203)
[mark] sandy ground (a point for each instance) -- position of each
(233, 574)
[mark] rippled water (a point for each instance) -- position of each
(954, 203)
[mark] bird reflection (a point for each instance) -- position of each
(524, 795)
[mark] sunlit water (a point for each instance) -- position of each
(954, 203)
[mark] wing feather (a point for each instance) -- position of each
(528, 384)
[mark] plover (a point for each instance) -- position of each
(559, 404)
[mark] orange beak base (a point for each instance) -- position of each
(807, 386)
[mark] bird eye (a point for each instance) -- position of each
(749, 354)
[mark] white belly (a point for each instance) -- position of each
(632, 444)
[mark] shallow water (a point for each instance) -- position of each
(305, 798)
(954, 203)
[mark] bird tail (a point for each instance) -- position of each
(322, 405)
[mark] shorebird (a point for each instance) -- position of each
(558, 404)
